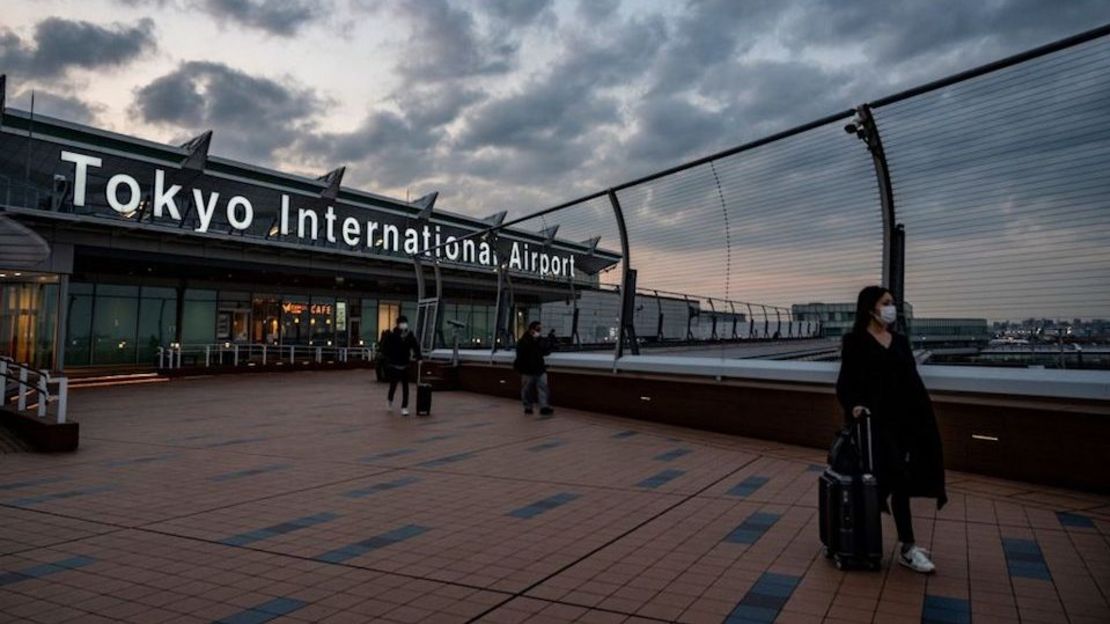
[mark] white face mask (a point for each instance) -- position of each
(888, 314)
(403, 326)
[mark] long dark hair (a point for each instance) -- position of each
(865, 304)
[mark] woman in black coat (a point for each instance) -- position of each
(878, 379)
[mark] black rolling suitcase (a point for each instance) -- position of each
(851, 528)
(423, 395)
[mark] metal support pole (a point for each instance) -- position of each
(713, 320)
(898, 276)
(60, 335)
(659, 336)
(627, 328)
(865, 128)
(496, 313)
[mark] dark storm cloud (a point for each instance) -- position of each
(251, 116)
(597, 10)
(437, 105)
(276, 17)
(516, 12)
(388, 149)
(67, 107)
(569, 101)
(445, 43)
(709, 35)
(60, 44)
(896, 32)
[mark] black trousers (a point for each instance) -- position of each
(903, 519)
(395, 376)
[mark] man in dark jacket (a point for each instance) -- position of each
(398, 346)
(530, 351)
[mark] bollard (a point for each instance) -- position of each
(44, 395)
(263, 355)
(207, 353)
(235, 356)
(318, 350)
(22, 405)
(63, 395)
(291, 357)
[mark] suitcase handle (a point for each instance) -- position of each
(866, 450)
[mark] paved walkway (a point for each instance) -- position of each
(295, 497)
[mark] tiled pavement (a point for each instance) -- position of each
(296, 497)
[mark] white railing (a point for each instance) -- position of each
(235, 354)
(33, 389)
(1010, 382)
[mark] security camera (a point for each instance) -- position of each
(851, 128)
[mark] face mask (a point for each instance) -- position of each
(888, 314)
(403, 326)
(536, 333)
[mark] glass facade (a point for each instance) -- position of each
(28, 313)
(125, 324)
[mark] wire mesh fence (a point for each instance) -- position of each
(999, 180)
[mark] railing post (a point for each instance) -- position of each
(263, 355)
(235, 355)
(292, 354)
(44, 395)
(893, 277)
(63, 397)
(318, 355)
(626, 328)
(207, 354)
(22, 403)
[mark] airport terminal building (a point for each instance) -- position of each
(117, 246)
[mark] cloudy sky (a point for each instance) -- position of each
(506, 100)
(497, 104)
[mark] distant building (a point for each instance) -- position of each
(836, 318)
(934, 333)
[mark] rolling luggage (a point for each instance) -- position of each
(423, 394)
(850, 525)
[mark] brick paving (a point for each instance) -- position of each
(297, 498)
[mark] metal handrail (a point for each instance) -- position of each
(40, 388)
(255, 354)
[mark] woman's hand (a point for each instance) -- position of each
(859, 410)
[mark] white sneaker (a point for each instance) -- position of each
(404, 411)
(916, 559)
(390, 408)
